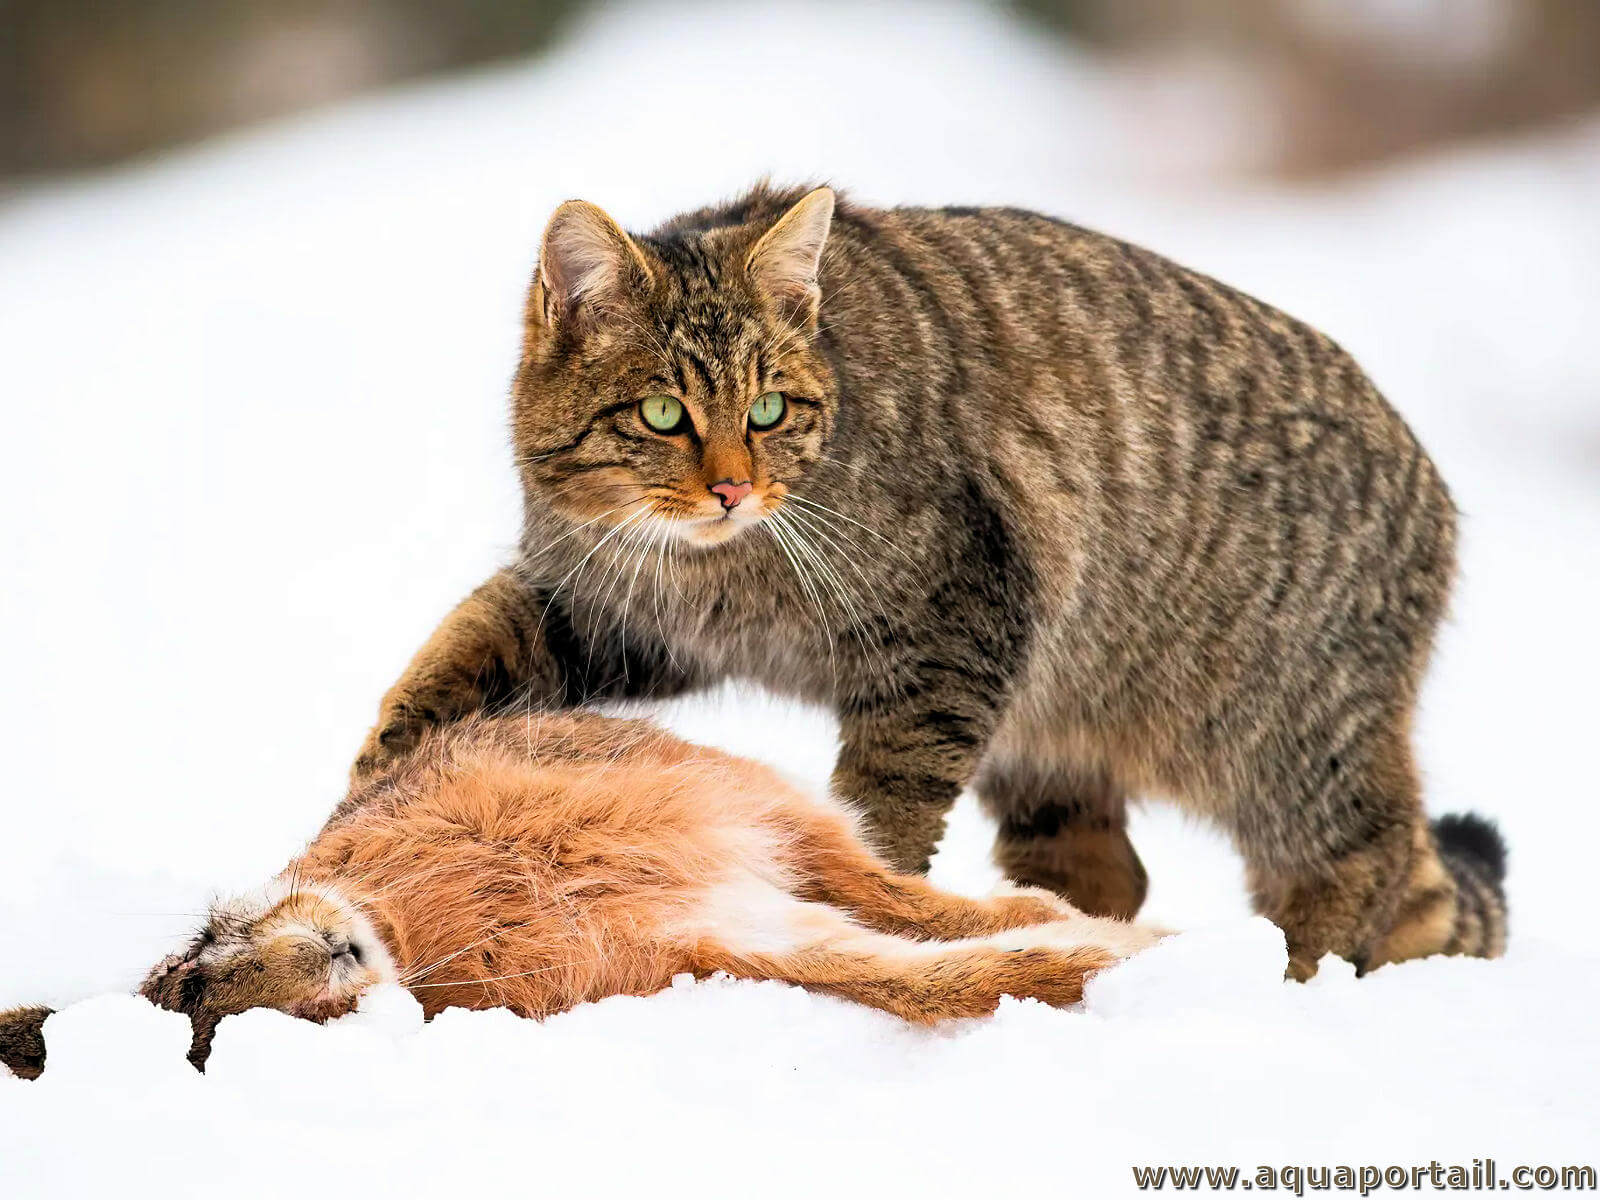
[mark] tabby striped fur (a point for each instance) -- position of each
(1048, 514)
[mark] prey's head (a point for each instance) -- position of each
(674, 382)
(301, 949)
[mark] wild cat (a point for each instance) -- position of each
(1028, 507)
(534, 863)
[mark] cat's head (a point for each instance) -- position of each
(674, 381)
(301, 949)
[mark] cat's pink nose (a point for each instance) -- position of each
(730, 493)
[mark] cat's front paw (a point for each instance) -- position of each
(385, 743)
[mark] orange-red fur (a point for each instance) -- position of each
(537, 862)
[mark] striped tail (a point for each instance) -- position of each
(1453, 900)
(22, 1041)
(1474, 854)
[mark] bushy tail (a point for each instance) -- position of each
(22, 1040)
(1474, 854)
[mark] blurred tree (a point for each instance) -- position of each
(84, 82)
(90, 81)
(1353, 81)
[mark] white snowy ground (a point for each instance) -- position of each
(252, 450)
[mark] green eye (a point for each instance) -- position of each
(768, 410)
(664, 414)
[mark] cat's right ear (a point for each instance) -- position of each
(587, 265)
(785, 262)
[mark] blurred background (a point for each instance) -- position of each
(1328, 85)
(261, 269)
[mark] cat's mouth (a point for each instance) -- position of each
(711, 525)
(713, 530)
(673, 516)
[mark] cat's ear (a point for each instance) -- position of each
(784, 262)
(587, 264)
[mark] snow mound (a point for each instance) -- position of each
(1219, 969)
(117, 1040)
(715, 1081)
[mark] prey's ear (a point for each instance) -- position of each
(174, 983)
(784, 262)
(203, 1027)
(586, 264)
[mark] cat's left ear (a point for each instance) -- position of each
(785, 261)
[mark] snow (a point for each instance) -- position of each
(1196, 1051)
(253, 399)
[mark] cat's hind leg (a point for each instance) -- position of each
(1381, 884)
(1066, 831)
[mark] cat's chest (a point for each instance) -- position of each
(742, 613)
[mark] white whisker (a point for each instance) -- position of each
(816, 504)
(830, 575)
(777, 533)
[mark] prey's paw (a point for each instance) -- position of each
(1071, 928)
(1048, 902)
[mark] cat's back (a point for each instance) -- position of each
(1162, 444)
(1103, 386)
(1010, 293)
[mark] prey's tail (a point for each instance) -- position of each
(22, 1040)
(1474, 854)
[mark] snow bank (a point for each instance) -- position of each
(254, 448)
(732, 1088)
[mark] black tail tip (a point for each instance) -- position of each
(1473, 837)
